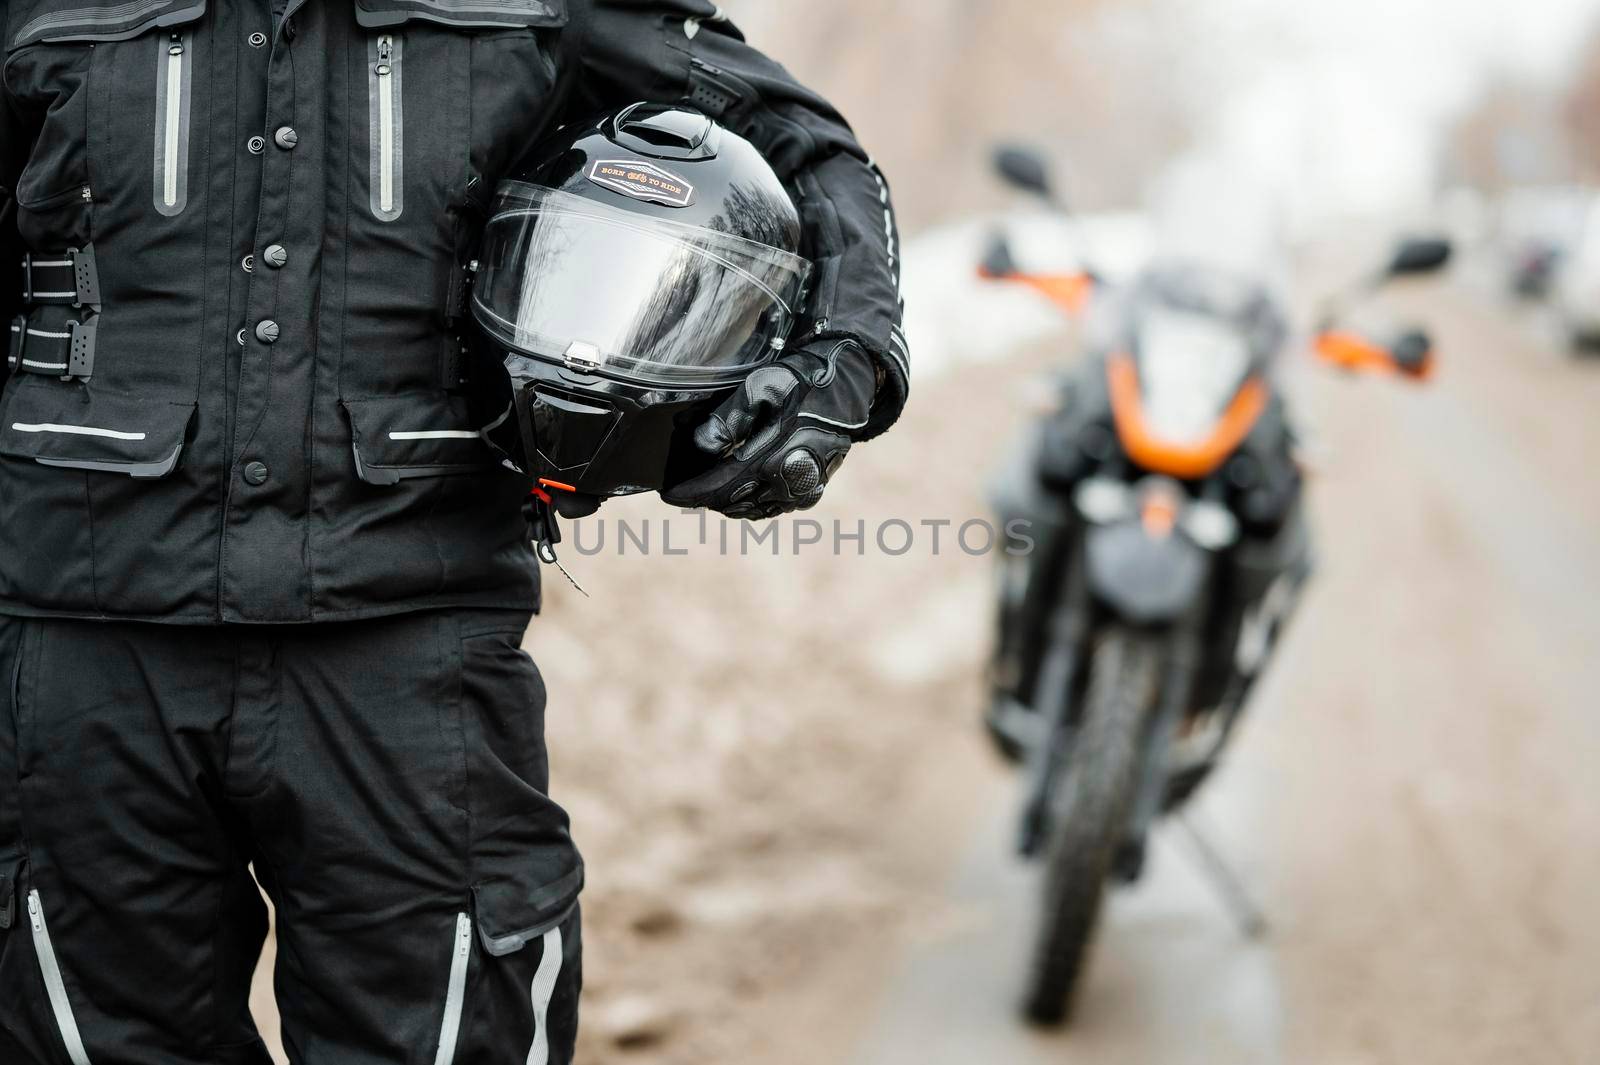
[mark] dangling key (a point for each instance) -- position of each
(546, 533)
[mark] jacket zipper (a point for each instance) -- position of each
(53, 984)
(174, 112)
(387, 128)
(172, 134)
(455, 996)
(386, 123)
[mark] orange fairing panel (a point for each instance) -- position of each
(1070, 292)
(1186, 461)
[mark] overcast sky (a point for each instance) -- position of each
(1339, 103)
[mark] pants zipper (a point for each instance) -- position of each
(455, 996)
(50, 969)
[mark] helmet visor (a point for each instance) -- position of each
(604, 290)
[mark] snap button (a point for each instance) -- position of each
(239, 336)
(256, 145)
(249, 263)
(257, 39)
(286, 138)
(267, 331)
(256, 473)
(276, 255)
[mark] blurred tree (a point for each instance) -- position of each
(932, 84)
(1582, 112)
(1512, 135)
(1518, 133)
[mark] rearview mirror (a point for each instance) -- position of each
(1419, 255)
(1024, 168)
(998, 261)
(1407, 352)
(1412, 352)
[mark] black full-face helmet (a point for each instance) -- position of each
(625, 285)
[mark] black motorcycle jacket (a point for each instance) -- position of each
(232, 248)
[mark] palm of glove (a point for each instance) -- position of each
(782, 434)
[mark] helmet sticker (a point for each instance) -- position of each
(642, 181)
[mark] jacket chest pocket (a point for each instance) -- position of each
(50, 85)
(484, 66)
(513, 98)
(444, 94)
(174, 68)
(386, 126)
(110, 91)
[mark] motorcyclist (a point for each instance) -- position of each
(262, 583)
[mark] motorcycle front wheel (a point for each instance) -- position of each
(1088, 820)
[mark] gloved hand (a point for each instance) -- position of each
(782, 433)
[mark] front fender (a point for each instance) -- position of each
(1146, 580)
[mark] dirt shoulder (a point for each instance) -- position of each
(770, 761)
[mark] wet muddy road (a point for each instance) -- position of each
(797, 837)
(1413, 796)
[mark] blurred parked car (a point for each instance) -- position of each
(1577, 292)
(1539, 224)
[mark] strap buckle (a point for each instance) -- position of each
(85, 276)
(73, 278)
(69, 356)
(17, 342)
(80, 350)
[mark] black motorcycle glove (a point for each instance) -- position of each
(783, 433)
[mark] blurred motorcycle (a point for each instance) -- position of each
(1170, 547)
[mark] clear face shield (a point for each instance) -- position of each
(606, 291)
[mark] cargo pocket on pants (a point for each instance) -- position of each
(36, 1007)
(55, 985)
(519, 1005)
(11, 835)
(526, 872)
(12, 909)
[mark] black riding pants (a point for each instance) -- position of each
(386, 781)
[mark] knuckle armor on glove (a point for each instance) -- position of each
(783, 434)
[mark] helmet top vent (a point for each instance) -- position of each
(665, 132)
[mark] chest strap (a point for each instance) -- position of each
(64, 349)
(71, 278)
(67, 352)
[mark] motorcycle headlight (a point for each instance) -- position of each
(1210, 525)
(1102, 500)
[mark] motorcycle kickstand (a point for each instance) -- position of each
(1224, 880)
